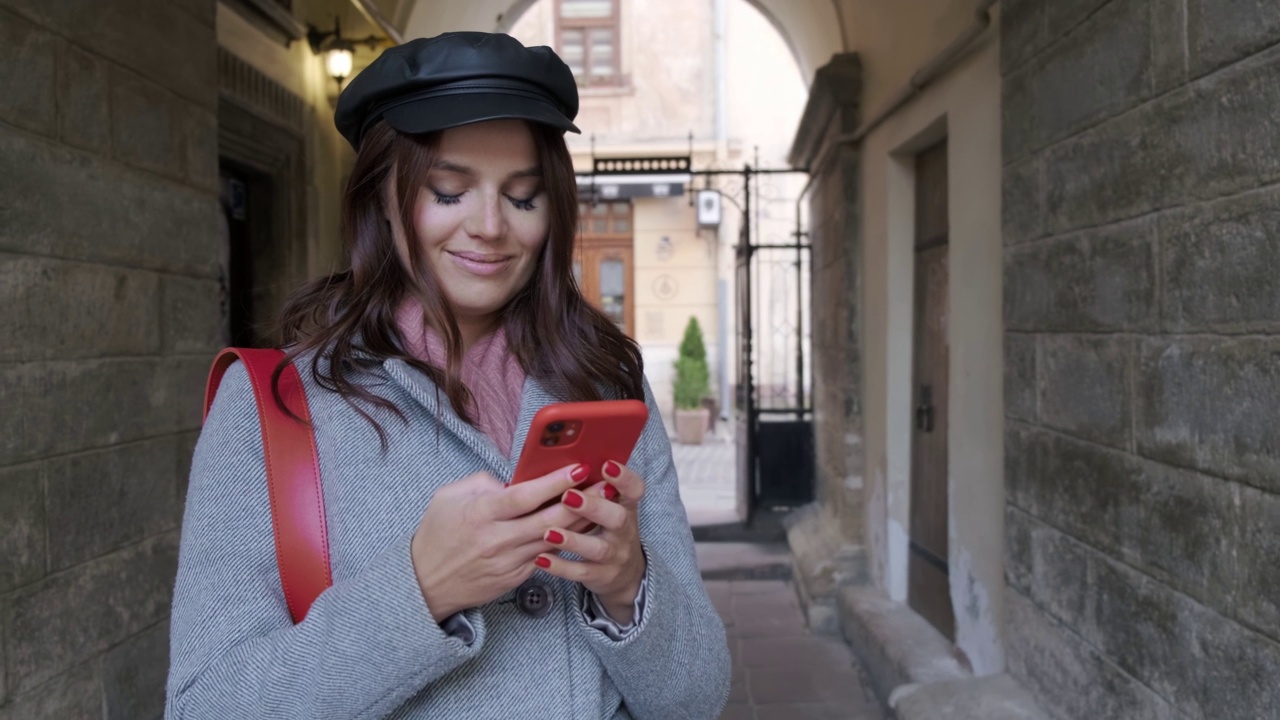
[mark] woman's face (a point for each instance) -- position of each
(481, 217)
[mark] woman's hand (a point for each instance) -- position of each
(477, 538)
(613, 563)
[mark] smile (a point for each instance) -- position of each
(484, 264)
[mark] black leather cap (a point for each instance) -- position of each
(455, 79)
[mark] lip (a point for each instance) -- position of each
(483, 264)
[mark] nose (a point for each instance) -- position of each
(488, 221)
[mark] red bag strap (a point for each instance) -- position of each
(293, 474)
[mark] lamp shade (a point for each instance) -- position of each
(339, 62)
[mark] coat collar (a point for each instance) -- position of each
(426, 393)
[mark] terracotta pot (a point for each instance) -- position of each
(691, 425)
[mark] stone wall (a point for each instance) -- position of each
(108, 278)
(1142, 312)
(833, 109)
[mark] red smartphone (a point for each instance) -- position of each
(580, 432)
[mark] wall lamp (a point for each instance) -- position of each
(339, 52)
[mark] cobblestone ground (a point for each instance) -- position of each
(780, 670)
(708, 481)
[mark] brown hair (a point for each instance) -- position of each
(349, 317)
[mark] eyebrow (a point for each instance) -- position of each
(534, 172)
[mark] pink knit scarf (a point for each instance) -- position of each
(489, 370)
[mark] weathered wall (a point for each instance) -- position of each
(1142, 309)
(834, 226)
(108, 277)
(962, 106)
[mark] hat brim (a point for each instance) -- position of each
(442, 113)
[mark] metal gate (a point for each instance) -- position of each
(774, 407)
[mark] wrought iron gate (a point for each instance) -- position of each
(774, 418)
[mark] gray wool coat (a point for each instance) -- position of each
(370, 647)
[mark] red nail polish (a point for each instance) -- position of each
(542, 562)
(610, 492)
(612, 468)
(580, 473)
(554, 537)
(573, 499)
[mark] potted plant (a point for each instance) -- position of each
(691, 386)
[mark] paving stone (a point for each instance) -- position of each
(803, 685)
(105, 499)
(817, 711)
(798, 652)
(738, 711)
(81, 612)
(27, 98)
(22, 528)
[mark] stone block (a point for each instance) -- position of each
(22, 528)
(84, 108)
(67, 310)
(1024, 467)
(1205, 664)
(995, 697)
(1231, 129)
(155, 38)
(203, 10)
(1022, 32)
(1223, 31)
(61, 407)
(1219, 266)
(1085, 387)
(1061, 575)
(1022, 206)
(134, 674)
(1095, 72)
(1169, 55)
(27, 97)
(64, 203)
(74, 695)
(87, 609)
(1017, 118)
(1020, 376)
(200, 139)
(1066, 675)
(192, 315)
(147, 125)
(1017, 545)
(1207, 404)
(1098, 280)
(186, 451)
(1176, 525)
(1258, 574)
(103, 500)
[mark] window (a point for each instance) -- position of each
(603, 260)
(587, 31)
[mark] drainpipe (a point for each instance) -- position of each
(719, 28)
(929, 72)
(374, 15)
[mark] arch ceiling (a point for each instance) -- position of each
(811, 28)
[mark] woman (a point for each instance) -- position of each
(453, 595)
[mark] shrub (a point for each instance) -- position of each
(692, 376)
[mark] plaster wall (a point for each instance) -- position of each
(964, 107)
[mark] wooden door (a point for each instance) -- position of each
(604, 264)
(928, 571)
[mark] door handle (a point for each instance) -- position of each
(924, 411)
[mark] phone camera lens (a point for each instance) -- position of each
(549, 442)
(556, 427)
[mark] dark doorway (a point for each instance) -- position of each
(246, 203)
(928, 572)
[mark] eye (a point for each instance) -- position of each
(442, 199)
(525, 205)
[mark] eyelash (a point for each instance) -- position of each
(525, 205)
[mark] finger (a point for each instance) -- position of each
(628, 483)
(591, 548)
(607, 514)
(524, 497)
(570, 570)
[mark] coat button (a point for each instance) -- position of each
(535, 598)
